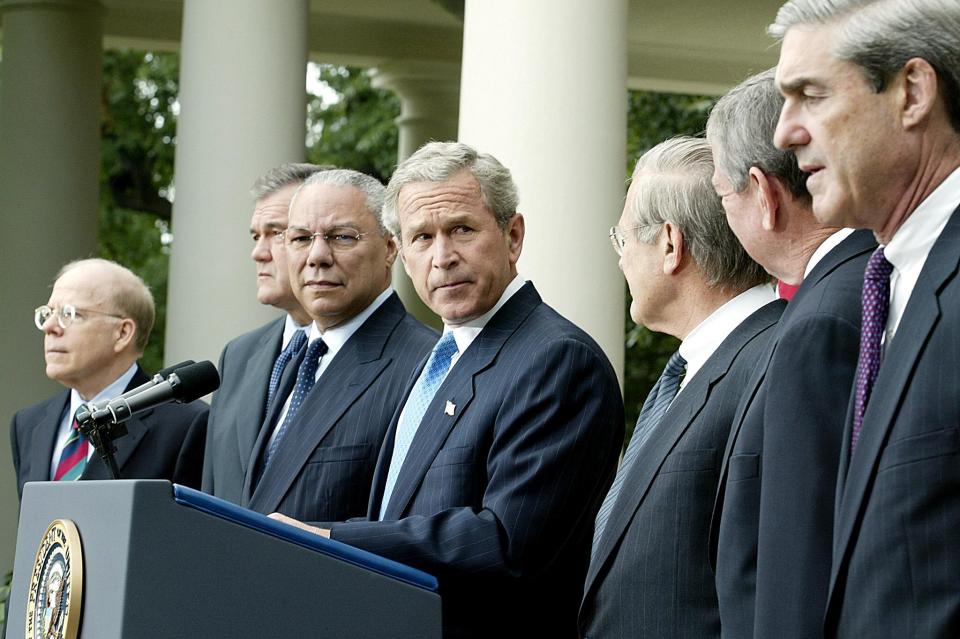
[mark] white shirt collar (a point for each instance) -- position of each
(338, 335)
(465, 333)
(910, 245)
(290, 327)
(703, 340)
(828, 245)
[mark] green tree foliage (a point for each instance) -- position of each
(651, 119)
(356, 129)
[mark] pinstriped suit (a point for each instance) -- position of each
(774, 514)
(649, 576)
(896, 552)
(237, 410)
(163, 443)
(498, 499)
(322, 469)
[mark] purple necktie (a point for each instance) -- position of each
(876, 304)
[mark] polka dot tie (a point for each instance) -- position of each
(305, 379)
(876, 304)
(420, 398)
(296, 343)
(654, 408)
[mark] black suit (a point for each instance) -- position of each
(773, 522)
(649, 576)
(163, 443)
(896, 551)
(322, 469)
(501, 484)
(238, 407)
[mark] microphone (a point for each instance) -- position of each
(161, 375)
(185, 384)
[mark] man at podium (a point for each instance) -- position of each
(493, 470)
(95, 326)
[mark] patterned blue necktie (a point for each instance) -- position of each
(654, 407)
(306, 375)
(296, 342)
(420, 397)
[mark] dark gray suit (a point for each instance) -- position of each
(649, 576)
(773, 523)
(237, 410)
(322, 469)
(896, 552)
(163, 443)
(500, 487)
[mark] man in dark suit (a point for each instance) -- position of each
(772, 531)
(95, 326)
(872, 111)
(315, 457)
(688, 277)
(495, 464)
(250, 361)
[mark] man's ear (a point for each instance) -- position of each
(516, 227)
(918, 89)
(671, 245)
(768, 198)
(391, 250)
(124, 334)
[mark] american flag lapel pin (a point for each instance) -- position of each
(450, 408)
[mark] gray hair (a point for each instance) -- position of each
(674, 185)
(284, 175)
(438, 162)
(880, 36)
(129, 295)
(371, 188)
(740, 131)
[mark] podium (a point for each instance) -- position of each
(163, 561)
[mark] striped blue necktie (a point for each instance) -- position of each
(420, 397)
(654, 407)
(296, 342)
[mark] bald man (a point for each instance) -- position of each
(95, 326)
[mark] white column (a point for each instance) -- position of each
(429, 95)
(242, 111)
(49, 191)
(544, 90)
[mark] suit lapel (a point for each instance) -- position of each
(258, 369)
(918, 322)
(44, 436)
(355, 367)
(136, 429)
(458, 388)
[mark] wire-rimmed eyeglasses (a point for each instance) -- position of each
(342, 239)
(65, 314)
(618, 235)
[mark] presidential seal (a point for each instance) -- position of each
(56, 585)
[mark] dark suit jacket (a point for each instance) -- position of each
(896, 551)
(163, 443)
(238, 408)
(322, 469)
(649, 576)
(498, 499)
(774, 517)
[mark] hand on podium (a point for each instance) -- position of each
(323, 532)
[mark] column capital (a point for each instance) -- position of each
(429, 90)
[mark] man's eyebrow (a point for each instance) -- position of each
(795, 84)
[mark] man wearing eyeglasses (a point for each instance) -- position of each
(689, 277)
(315, 455)
(251, 364)
(95, 326)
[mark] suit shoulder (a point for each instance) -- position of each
(546, 329)
(181, 414)
(251, 338)
(33, 412)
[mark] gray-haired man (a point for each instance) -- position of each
(872, 111)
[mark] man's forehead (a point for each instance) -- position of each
(82, 285)
(805, 49)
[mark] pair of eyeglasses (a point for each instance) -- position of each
(65, 314)
(337, 239)
(618, 236)
(273, 236)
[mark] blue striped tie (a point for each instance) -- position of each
(420, 397)
(296, 342)
(306, 376)
(656, 404)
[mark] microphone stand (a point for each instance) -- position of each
(101, 436)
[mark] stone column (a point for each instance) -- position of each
(49, 191)
(544, 90)
(243, 111)
(429, 95)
